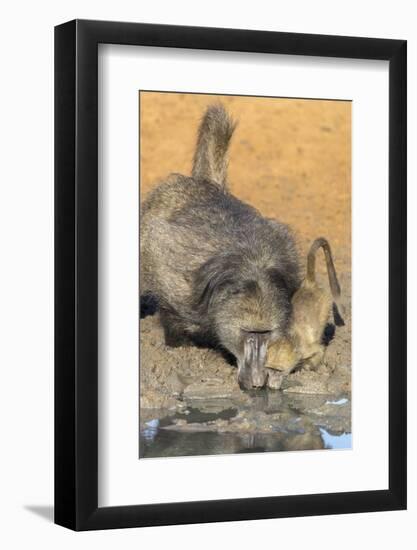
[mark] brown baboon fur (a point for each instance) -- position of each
(222, 274)
(311, 307)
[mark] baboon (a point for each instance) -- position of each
(223, 275)
(311, 307)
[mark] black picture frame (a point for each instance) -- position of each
(76, 272)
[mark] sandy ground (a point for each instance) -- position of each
(290, 159)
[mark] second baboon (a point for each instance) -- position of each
(311, 309)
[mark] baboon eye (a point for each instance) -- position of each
(246, 287)
(234, 289)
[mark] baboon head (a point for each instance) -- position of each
(311, 307)
(247, 307)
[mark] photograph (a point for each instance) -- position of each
(208, 235)
(245, 274)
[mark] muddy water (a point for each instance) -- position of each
(268, 421)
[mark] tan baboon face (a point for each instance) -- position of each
(282, 358)
(311, 312)
(283, 355)
(311, 309)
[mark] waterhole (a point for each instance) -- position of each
(270, 421)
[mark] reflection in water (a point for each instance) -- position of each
(342, 441)
(150, 430)
(272, 421)
(341, 401)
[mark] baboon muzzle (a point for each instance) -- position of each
(251, 373)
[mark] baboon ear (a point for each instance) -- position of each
(212, 276)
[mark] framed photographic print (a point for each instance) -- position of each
(230, 235)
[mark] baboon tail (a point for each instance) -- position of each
(210, 158)
(331, 273)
